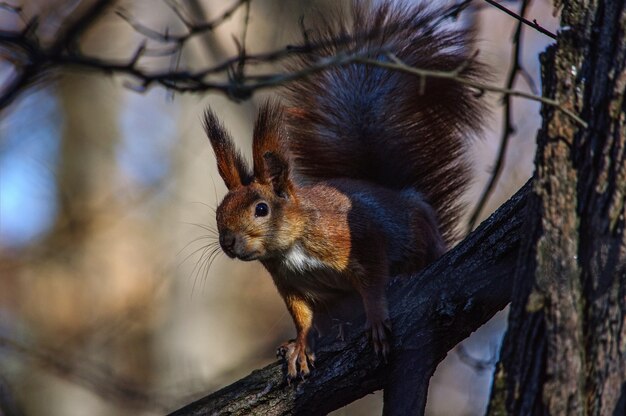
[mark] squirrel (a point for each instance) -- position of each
(358, 172)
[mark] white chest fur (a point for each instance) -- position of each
(303, 273)
(299, 261)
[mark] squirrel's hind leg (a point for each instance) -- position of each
(378, 324)
(371, 283)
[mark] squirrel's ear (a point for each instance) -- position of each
(277, 172)
(269, 138)
(230, 163)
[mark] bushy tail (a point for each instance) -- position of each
(384, 126)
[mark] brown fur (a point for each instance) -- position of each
(230, 164)
(379, 170)
(269, 138)
(420, 127)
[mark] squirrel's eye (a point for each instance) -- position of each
(261, 209)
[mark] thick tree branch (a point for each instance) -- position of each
(431, 313)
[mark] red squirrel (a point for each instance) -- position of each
(357, 174)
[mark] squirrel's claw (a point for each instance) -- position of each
(284, 350)
(379, 334)
(298, 359)
(340, 329)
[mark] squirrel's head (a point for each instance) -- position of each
(258, 218)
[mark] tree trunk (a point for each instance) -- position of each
(565, 350)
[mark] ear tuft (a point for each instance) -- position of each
(277, 173)
(230, 163)
(269, 137)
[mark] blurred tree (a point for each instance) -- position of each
(83, 275)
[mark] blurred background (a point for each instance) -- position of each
(109, 301)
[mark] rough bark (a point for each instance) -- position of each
(431, 313)
(565, 350)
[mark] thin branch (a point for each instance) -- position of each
(71, 33)
(507, 129)
(237, 74)
(40, 60)
(14, 9)
(530, 81)
(187, 81)
(522, 19)
(27, 43)
(177, 10)
(193, 29)
(479, 86)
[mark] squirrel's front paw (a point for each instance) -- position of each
(379, 333)
(298, 359)
(285, 349)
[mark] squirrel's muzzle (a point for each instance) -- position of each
(236, 245)
(227, 241)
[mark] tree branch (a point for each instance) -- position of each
(431, 313)
(37, 60)
(193, 29)
(479, 86)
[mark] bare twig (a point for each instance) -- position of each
(70, 34)
(40, 59)
(522, 19)
(188, 81)
(530, 81)
(10, 7)
(237, 75)
(35, 64)
(193, 29)
(15, 9)
(479, 86)
(507, 129)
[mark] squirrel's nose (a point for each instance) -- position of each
(227, 241)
